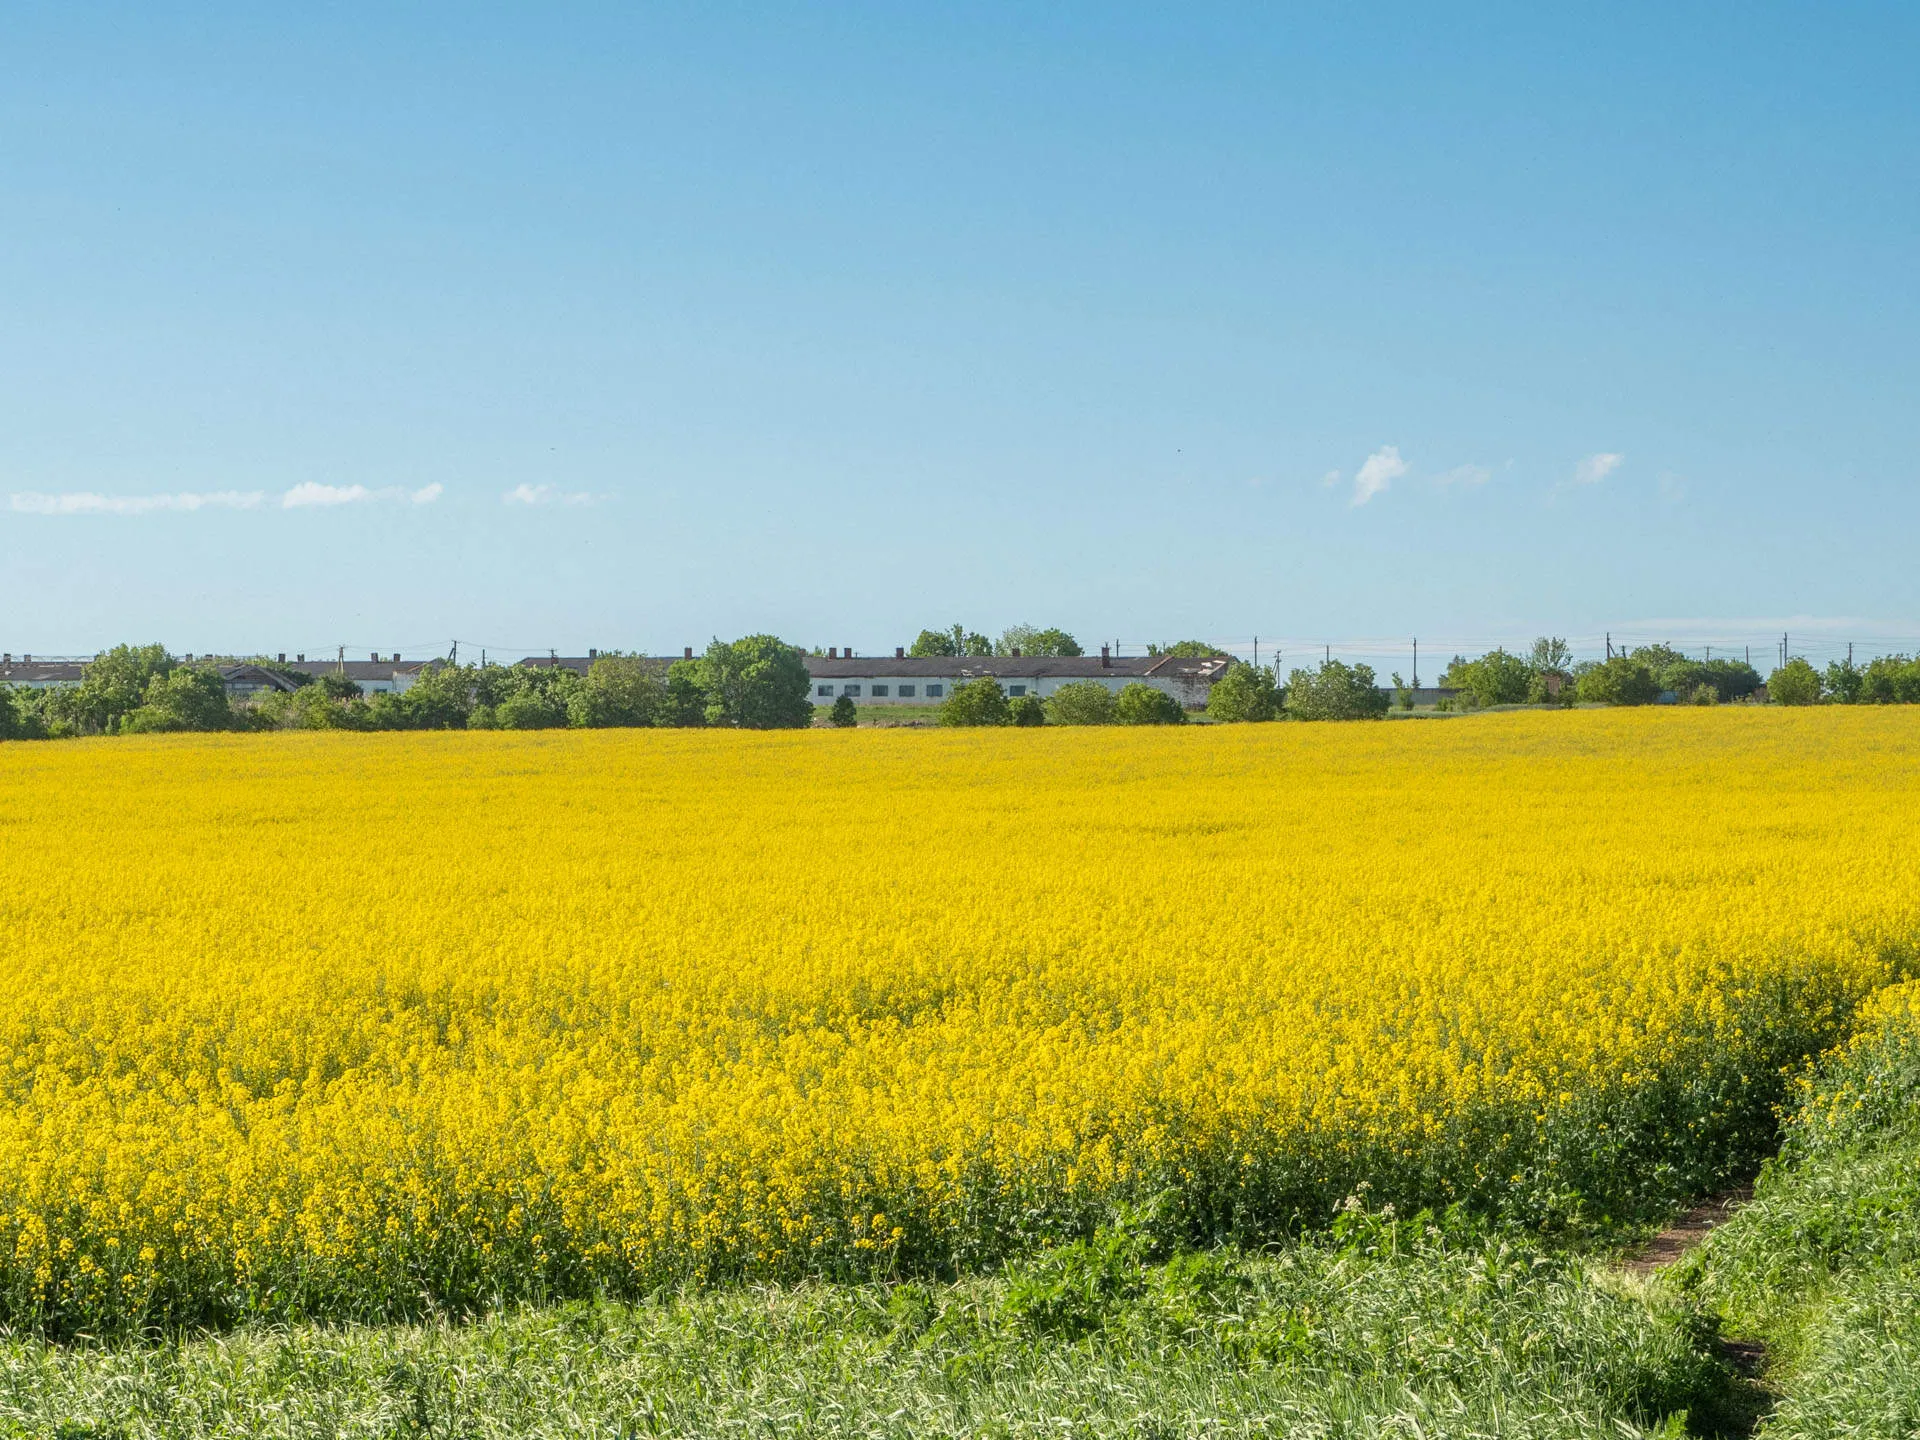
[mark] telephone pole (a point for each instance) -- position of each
(1416, 662)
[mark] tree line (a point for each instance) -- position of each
(756, 682)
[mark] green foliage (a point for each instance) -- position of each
(1143, 705)
(184, 698)
(686, 702)
(978, 702)
(933, 643)
(956, 640)
(1394, 1328)
(758, 682)
(1794, 683)
(844, 713)
(1189, 650)
(1081, 702)
(1028, 640)
(1028, 710)
(1824, 1265)
(1550, 654)
(1335, 691)
(619, 690)
(1889, 680)
(1496, 678)
(1244, 693)
(112, 687)
(1619, 681)
(19, 719)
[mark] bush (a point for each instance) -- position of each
(978, 702)
(1028, 710)
(1619, 681)
(1496, 678)
(1081, 702)
(183, 698)
(1794, 683)
(1335, 691)
(1244, 693)
(530, 709)
(1143, 705)
(17, 719)
(844, 714)
(618, 690)
(758, 682)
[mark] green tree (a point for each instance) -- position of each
(845, 714)
(1794, 683)
(1140, 704)
(1844, 681)
(978, 702)
(1551, 654)
(619, 690)
(1335, 691)
(1619, 681)
(685, 704)
(1245, 692)
(187, 697)
(933, 643)
(758, 682)
(1189, 650)
(1028, 640)
(18, 718)
(113, 685)
(1890, 680)
(531, 707)
(1027, 710)
(1081, 702)
(1496, 678)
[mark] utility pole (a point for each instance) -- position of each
(1256, 652)
(1329, 656)
(1849, 654)
(341, 661)
(1609, 644)
(1416, 662)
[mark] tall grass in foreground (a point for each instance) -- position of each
(364, 1026)
(1825, 1264)
(1392, 1330)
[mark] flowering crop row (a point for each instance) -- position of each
(367, 1025)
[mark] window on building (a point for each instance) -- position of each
(879, 692)
(853, 690)
(1016, 689)
(906, 692)
(934, 692)
(825, 692)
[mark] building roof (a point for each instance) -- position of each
(41, 672)
(1076, 667)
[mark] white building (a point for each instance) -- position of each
(925, 681)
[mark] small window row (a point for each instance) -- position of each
(880, 692)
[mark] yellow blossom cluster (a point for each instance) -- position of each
(329, 1024)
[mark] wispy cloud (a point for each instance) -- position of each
(1595, 468)
(1465, 475)
(1380, 470)
(311, 492)
(547, 495)
(87, 502)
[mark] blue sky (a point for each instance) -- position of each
(554, 326)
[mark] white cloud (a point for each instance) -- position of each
(86, 502)
(1381, 469)
(310, 492)
(1330, 479)
(546, 495)
(1467, 475)
(1595, 468)
(427, 494)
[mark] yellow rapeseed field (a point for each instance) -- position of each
(335, 1024)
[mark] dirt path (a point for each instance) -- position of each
(1687, 1231)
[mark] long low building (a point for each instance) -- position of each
(927, 680)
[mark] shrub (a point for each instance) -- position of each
(184, 698)
(1029, 710)
(758, 682)
(1335, 691)
(1496, 678)
(1081, 702)
(1794, 683)
(978, 702)
(844, 714)
(1244, 693)
(1619, 681)
(1143, 705)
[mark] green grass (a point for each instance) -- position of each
(1383, 1329)
(1824, 1266)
